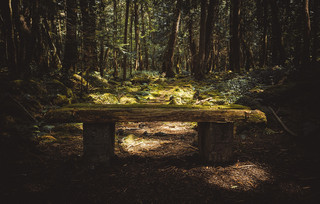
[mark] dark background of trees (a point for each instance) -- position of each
(61, 37)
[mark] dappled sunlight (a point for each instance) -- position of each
(241, 176)
(137, 145)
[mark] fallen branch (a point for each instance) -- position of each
(282, 124)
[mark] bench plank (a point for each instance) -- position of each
(145, 112)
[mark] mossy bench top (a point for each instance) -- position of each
(96, 113)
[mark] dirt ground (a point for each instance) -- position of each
(159, 163)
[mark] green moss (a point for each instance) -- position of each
(99, 106)
(61, 100)
(106, 98)
(128, 100)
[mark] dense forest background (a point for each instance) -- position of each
(257, 54)
(45, 38)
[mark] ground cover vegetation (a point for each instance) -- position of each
(258, 54)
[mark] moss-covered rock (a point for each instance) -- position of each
(61, 100)
(56, 87)
(128, 100)
(106, 98)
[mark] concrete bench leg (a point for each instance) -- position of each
(98, 142)
(215, 141)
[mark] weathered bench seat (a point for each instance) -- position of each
(215, 125)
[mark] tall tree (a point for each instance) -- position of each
(315, 30)
(71, 50)
(89, 55)
(101, 27)
(125, 40)
(306, 33)
(192, 43)
(262, 15)
(136, 34)
(235, 35)
(168, 60)
(278, 52)
(115, 32)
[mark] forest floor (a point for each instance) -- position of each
(158, 162)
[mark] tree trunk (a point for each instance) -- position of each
(137, 35)
(199, 72)
(192, 43)
(89, 53)
(71, 50)
(115, 32)
(306, 33)
(278, 53)
(144, 40)
(168, 60)
(211, 15)
(125, 40)
(235, 35)
(102, 24)
(315, 29)
(262, 11)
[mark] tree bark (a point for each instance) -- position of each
(278, 52)
(315, 29)
(192, 43)
(168, 60)
(235, 35)
(89, 55)
(306, 33)
(125, 40)
(137, 35)
(71, 50)
(102, 24)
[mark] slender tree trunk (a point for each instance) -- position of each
(131, 37)
(125, 40)
(89, 54)
(192, 43)
(144, 39)
(137, 35)
(235, 36)
(211, 15)
(306, 34)
(262, 12)
(71, 50)
(278, 52)
(115, 31)
(168, 60)
(315, 29)
(199, 72)
(102, 24)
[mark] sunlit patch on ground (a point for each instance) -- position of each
(240, 176)
(155, 139)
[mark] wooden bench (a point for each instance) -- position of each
(215, 125)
